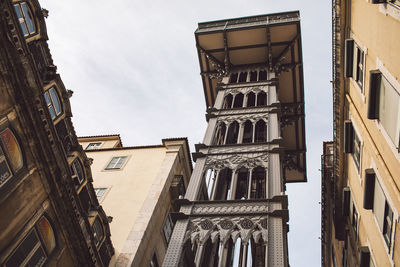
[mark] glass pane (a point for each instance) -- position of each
(5, 172)
(12, 149)
(98, 231)
(47, 98)
(379, 204)
(47, 234)
(28, 18)
(56, 102)
(78, 171)
(389, 110)
(52, 112)
(37, 259)
(18, 11)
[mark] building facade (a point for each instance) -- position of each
(49, 211)
(137, 187)
(366, 162)
(235, 210)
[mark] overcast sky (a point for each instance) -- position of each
(134, 70)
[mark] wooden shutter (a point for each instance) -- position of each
(348, 136)
(369, 185)
(348, 61)
(373, 97)
(364, 257)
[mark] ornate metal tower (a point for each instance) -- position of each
(235, 210)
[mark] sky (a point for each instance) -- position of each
(134, 70)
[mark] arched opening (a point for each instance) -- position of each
(210, 253)
(233, 132)
(251, 99)
(78, 175)
(242, 183)
(238, 103)
(220, 134)
(242, 77)
(209, 177)
(223, 188)
(233, 78)
(253, 76)
(261, 99)
(248, 132)
(262, 75)
(260, 132)
(258, 183)
(53, 103)
(227, 101)
(25, 18)
(11, 159)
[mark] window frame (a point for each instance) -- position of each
(108, 168)
(82, 180)
(7, 158)
(96, 145)
(169, 224)
(98, 241)
(105, 191)
(50, 102)
(23, 19)
(40, 243)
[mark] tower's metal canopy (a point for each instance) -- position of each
(269, 41)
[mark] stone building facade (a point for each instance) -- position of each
(235, 211)
(49, 211)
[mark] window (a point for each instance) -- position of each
(98, 232)
(383, 213)
(354, 62)
(260, 132)
(251, 99)
(233, 132)
(384, 105)
(153, 261)
(248, 132)
(168, 227)
(353, 216)
(25, 18)
(220, 134)
(242, 184)
(33, 251)
(53, 102)
(93, 146)
(238, 100)
(11, 160)
(100, 192)
(78, 175)
(352, 143)
(258, 182)
(227, 101)
(116, 163)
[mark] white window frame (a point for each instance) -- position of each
(358, 45)
(96, 145)
(106, 189)
(356, 133)
(114, 166)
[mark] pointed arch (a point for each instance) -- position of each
(243, 77)
(220, 134)
(258, 183)
(227, 101)
(238, 102)
(233, 78)
(260, 132)
(233, 132)
(248, 132)
(251, 99)
(261, 99)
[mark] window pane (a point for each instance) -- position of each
(18, 11)
(55, 100)
(47, 98)
(12, 149)
(28, 18)
(47, 234)
(379, 205)
(5, 172)
(37, 259)
(389, 110)
(98, 231)
(78, 171)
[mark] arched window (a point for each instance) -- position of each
(220, 134)
(209, 176)
(227, 101)
(35, 247)
(258, 182)
(242, 77)
(248, 132)
(260, 132)
(25, 18)
(11, 159)
(238, 103)
(261, 99)
(78, 175)
(253, 76)
(251, 99)
(98, 231)
(242, 184)
(262, 75)
(233, 78)
(223, 186)
(53, 102)
(233, 132)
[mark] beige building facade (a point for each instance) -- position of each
(366, 160)
(136, 187)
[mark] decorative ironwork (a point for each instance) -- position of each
(206, 224)
(246, 224)
(226, 224)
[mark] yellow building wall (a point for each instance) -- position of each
(378, 34)
(127, 188)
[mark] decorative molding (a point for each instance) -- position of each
(237, 161)
(241, 118)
